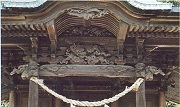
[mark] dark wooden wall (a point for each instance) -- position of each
(46, 100)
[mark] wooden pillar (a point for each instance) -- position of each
(58, 103)
(140, 96)
(12, 99)
(33, 94)
(162, 99)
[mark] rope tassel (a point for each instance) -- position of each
(88, 103)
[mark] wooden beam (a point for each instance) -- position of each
(12, 99)
(87, 70)
(33, 98)
(52, 35)
(140, 96)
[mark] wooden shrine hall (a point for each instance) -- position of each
(89, 53)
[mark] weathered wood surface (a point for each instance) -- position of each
(162, 99)
(116, 103)
(140, 70)
(12, 99)
(58, 102)
(140, 96)
(96, 40)
(87, 70)
(33, 98)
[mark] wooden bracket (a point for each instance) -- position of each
(121, 36)
(139, 47)
(147, 72)
(52, 35)
(52, 38)
(34, 46)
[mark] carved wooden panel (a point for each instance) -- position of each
(86, 55)
(108, 41)
(90, 31)
(87, 70)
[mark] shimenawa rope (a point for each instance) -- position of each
(87, 103)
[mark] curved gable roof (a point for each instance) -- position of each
(141, 4)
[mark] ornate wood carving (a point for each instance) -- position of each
(85, 54)
(141, 70)
(89, 13)
(108, 41)
(89, 31)
(27, 70)
(87, 70)
(147, 71)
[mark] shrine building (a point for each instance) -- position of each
(89, 53)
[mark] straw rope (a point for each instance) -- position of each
(87, 103)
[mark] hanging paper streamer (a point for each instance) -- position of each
(106, 105)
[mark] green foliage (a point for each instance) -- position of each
(174, 2)
(169, 104)
(4, 103)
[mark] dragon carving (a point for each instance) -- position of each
(27, 70)
(85, 54)
(148, 71)
(87, 13)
